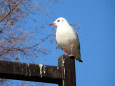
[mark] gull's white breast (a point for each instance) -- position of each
(66, 37)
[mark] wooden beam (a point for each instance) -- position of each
(63, 74)
(30, 72)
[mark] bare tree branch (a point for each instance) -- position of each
(41, 41)
(11, 9)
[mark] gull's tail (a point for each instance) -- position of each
(80, 60)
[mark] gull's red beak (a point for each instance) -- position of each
(52, 24)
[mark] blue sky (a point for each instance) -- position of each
(96, 34)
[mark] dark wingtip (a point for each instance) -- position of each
(80, 60)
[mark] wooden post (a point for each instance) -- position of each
(63, 74)
(68, 70)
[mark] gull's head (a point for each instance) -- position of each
(60, 21)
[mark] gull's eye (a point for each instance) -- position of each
(58, 20)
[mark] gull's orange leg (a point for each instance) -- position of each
(71, 51)
(64, 50)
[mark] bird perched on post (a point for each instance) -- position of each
(67, 38)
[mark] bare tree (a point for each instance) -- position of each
(14, 38)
